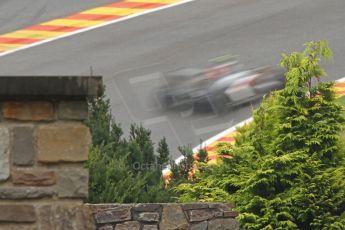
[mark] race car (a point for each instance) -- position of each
(218, 88)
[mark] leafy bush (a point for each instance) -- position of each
(288, 169)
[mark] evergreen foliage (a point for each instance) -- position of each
(180, 171)
(288, 169)
(163, 152)
(123, 170)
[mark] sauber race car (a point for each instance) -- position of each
(220, 87)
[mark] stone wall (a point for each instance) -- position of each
(192, 216)
(43, 148)
(43, 180)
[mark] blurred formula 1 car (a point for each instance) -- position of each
(219, 87)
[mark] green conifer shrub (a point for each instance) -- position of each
(288, 169)
(123, 170)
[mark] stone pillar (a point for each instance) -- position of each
(44, 144)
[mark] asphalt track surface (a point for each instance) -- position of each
(132, 54)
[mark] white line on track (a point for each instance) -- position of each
(212, 128)
(213, 139)
(155, 120)
(340, 80)
(94, 27)
(145, 78)
(220, 135)
(131, 115)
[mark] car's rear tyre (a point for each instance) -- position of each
(219, 103)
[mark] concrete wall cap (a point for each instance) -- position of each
(13, 88)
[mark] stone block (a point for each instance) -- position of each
(33, 177)
(63, 142)
(4, 154)
(73, 110)
(130, 225)
(200, 215)
(106, 227)
(199, 226)
(173, 218)
(19, 193)
(222, 206)
(150, 227)
(114, 215)
(190, 206)
(65, 217)
(17, 213)
(232, 214)
(23, 146)
(16, 226)
(148, 208)
(94, 208)
(148, 216)
(29, 111)
(223, 224)
(73, 183)
(218, 214)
